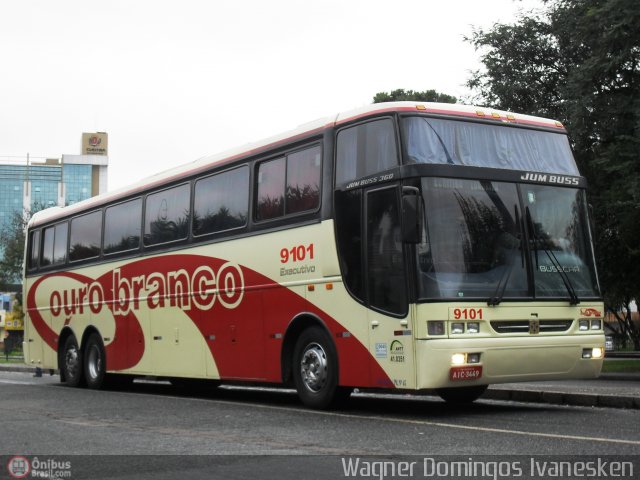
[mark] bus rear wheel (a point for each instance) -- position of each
(315, 370)
(94, 362)
(460, 395)
(71, 362)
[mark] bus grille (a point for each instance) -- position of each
(522, 326)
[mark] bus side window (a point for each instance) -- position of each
(34, 249)
(122, 227)
(167, 215)
(60, 243)
(47, 247)
(86, 233)
(271, 189)
(221, 202)
(289, 184)
(365, 149)
(303, 180)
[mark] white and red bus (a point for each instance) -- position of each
(404, 246)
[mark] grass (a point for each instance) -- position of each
(621, 366)
(12, 359)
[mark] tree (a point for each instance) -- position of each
(402, 95)
(12, 237)
(579, 61)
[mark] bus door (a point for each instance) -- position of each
(390, 324)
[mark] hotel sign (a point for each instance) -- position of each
(94, 144)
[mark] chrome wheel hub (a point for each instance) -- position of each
(72, 362)
(313, 367)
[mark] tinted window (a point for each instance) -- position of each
(365, 149)
(34, 249)
(349, 233)
(303, 180)
(86, 232)
(167, 215)
(289, 185)
(47, 246)
(270, 201)
(387, 284)
(122, 226)
(221, 202)
(60, 243)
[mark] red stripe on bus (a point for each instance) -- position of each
(248, 307)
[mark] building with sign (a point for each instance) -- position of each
(28, 183)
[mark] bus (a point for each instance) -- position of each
(407, 246)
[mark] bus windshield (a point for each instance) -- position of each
(482, 238)
(434, 140)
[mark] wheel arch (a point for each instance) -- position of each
(298, 324)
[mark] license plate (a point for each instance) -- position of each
(465, 373)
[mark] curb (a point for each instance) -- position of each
(495, 393)
(563, 398)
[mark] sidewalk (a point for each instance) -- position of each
(611, 390)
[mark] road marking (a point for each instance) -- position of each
(418, 422)
(442, 424)
(389, 419)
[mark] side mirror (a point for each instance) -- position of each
(411, 215)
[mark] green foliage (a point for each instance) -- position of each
(402, 95)
(579, 61)
(12, 236)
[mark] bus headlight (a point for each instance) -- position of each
(458, 359)
(595, 352)
(596, 324)
(583, 325)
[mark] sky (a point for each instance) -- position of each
(171, 81)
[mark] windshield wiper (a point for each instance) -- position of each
(573, 297)
(501, 286)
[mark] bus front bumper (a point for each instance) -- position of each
(506, 360)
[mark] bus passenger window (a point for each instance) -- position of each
(122, 226)
(86, 233)
(303, 180)
(34, 249)
(60, 243)
(47, 246)
(271, 189)
(221, 202)
(167, 215)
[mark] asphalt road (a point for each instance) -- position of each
(273, 434)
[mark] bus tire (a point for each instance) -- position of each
(460, 395)
(315, 370)
(71, 362)
(94, 362)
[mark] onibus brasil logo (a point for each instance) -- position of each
(21, 467)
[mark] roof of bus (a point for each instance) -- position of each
(305, 130)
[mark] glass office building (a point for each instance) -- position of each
(28, 185)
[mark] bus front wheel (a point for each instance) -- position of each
(71, 362)
(461, 394)
(315, 370)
